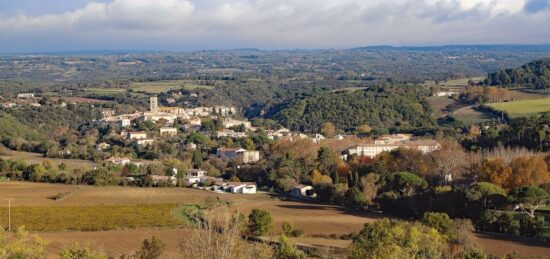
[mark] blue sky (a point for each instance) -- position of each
(66, 25)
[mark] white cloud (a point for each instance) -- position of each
(180, 24)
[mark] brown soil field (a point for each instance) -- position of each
(311, 217)
(115, 243)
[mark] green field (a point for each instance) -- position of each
(523, 108)
(163, 86)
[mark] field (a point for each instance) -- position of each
(157, 87)
(469, 115)
(154, 211)
(524, 107)
(439, 105)
(35, 158)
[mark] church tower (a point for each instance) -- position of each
(154, 104)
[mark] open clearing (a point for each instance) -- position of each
(524, 107)
(314, 219)
(468, 115)
(36, 158)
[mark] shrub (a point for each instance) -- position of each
(260, 222)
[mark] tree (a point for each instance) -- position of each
(197, 158)
(485, 192)
(151, 249)
(328, 129)
(21, 245)
(326, 162)
(285, 249)
(405, 183)
(370, 187)
(528, 171)
(398, 239)
(364, 129)
(260, 222)
(287, 228)
(528, 199)
(495, 171)
(318, 178)
(450, 161)
(440, 222)
(62, 166)
(354, 197)
(76, 251)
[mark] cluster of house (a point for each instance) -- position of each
(23, 96)
(169, 114)
(389, 143)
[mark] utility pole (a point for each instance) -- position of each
(9, 214)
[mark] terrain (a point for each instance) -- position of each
(319, 221)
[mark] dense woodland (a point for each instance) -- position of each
(398, 109)
(535, 74)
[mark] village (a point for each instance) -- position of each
(199, 178)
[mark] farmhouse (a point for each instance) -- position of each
(230, 134)
(137, 135)
(196, 172)
(118, 160)
(168, 132)
(108, 112)
(145, 142)
(25, 95)
(8, 105)
(303, 191)
(229, 122)
(239, 154)
(125, 123)
(240, 187)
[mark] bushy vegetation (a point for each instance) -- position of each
(379, 108)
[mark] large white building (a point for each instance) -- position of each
(372, 150)
(246, 156)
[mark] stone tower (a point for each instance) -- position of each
(154, 104)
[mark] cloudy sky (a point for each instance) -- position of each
(62, 25)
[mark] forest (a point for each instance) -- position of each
(535, 74)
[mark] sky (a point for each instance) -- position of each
(75, 25)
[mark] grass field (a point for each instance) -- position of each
(36, 158)
(163, 86)
(468, 115)
(524, 107)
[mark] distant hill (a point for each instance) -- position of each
(347, 110)
(534, 74)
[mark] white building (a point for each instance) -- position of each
(301, 191)
(372, 150)
(108, 112)
(25, 95)
(246, 156)
(229, 122)
(118, 160)
(196, 172)
(145, 142)
(8, 105)
(230, 134)
(137, 135)
(125, 122)
(241, 187)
